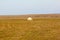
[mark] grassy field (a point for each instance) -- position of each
(37, 29)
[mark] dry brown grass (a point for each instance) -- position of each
(37, 29)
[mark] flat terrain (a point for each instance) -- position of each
(31, 15)
(37, 29)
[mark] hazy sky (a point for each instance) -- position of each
(12, 7)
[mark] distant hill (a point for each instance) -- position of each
(30, 15)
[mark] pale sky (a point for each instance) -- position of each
(16, 7)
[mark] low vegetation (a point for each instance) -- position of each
(37, 29)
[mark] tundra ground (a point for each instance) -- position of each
(36, 29)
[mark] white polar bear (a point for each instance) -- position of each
(29, 18)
